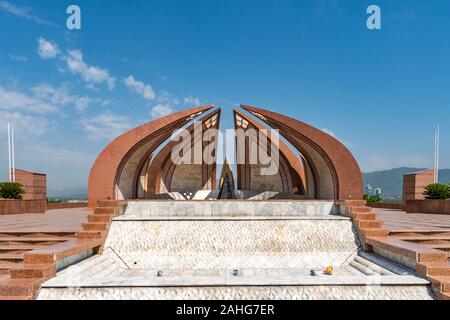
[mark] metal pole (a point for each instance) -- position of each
(13, 152)
(434, 158)
(9, 151)
(437, 154)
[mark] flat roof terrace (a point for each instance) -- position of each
(400, 220)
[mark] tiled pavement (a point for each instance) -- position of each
(61, 220)
(400, 220)
(30, 245)
(423, 234)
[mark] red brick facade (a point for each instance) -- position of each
(332, 169)
(126, 153)
(414, 184)
(34, 184)
(129, 167)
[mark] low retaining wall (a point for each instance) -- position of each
(52, 206)
(395, 206)
(22, 206)
(428, 206)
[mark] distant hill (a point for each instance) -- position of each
(68, 194)
(391, 181)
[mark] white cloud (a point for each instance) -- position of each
(18, 58)
(25, 126)
(161, 110)
(47, 49)
(190, 100)
(62, 96)
(105, 126)
(165, 106)
(166, 98)
(14, 100)
(90, 74)
(145, 90)
(22, 12)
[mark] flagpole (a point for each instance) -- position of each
(9, 151)
(437, 154)
(13, 152)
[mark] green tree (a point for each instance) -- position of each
(11, 190)
(437, 191)
(373, 199)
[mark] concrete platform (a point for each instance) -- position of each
(233, 250)
(107, 277)
(201, 208)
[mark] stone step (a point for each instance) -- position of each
(33, 271)
(9, 257)
(444, 295)
(106, 210)
(441, 283)
(437, 241)
(412, 251)
(97, 265)
(5, 248)
(90, 234)
(197, 243)
(374, 232)
(231, 208)
(34, 239)
(8, 265)
(100, 218)
(440, 246)
(359, 209)
(420, 238)
(5, 298)
(420, 234)
(9, 234)
(97, 226)
(352, 203)
(110, 203)
(363, 216)
(19, 287)
(375, 224)
(433, 268)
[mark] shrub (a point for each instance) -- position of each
(373, 199)
(11, 190)
(54, 201)
(437, 191)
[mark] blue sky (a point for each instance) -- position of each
(68, 93)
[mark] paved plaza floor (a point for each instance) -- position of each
(400, 220)
(60, 220)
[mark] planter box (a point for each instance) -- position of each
(428, 206)
(22, 206)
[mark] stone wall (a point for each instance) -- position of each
(414, 184)
(232, 243)
(53, 206)
(34, 184)
(338, 292)
(428, 206)
(22, 206)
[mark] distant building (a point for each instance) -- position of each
(377, 191)
(368, 189)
